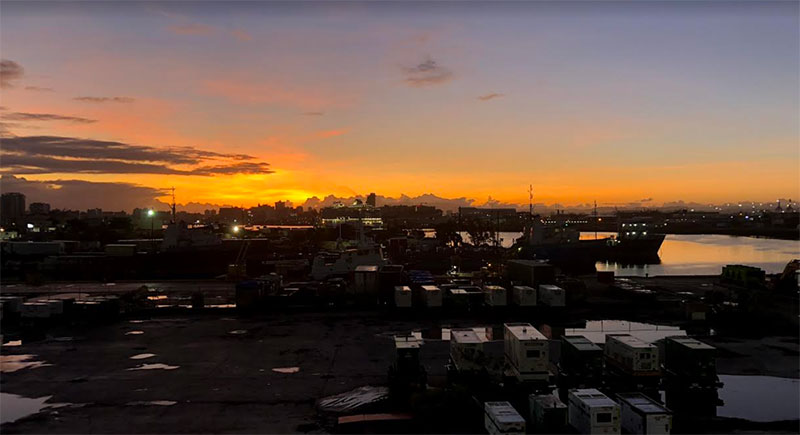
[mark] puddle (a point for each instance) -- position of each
(596, 330)
(14, 407)
(12, 363)
(759, 398)
(134, 333)
(286, 370)
(154, 366)
(153, 402)
(13, 343)
(136, 321)
(143, 356)
(238, 332)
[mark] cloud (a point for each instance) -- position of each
(241, 35)
(82, 195)
(56, 154)
(313, 113)
(192, 29)
(332, 133)
(427, 73)
(105, 99)
(646, 200)
(21, 116)
(491, 96)
(38, 89)
(10, 71)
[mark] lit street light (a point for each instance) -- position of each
(151, 214)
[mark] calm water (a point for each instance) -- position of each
(702, 254)
(759, 398)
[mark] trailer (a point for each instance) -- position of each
(592, 412)
(524, 296)
(581, 359)
(466, 351)
(527, 351)
(402, 296)
(495, 296)
(548, 414)
(631, 355)
(643, 415)
(502, 418)
(432, 296)
(552, 295)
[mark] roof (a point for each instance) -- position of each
(458, 291)
(550, 287)
(430, 288)
(366, 268)
(548, 401)
(465, 336)
(503, 412)
(630, 341)
(407, 342)
(592, 397)
(580, 342)
(493, 288)
(642, 403)
(523, 287)
(402, 288)
(691, 342)
(524, 331)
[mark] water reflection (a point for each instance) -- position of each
(155, 366)
(14, 407)
(759, 398)
(12, 363)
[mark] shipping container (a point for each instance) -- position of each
(402, 296)
(432, 296)
(531, 272)
(38, 310)
(495, 296)
(631, 355)
(365, 280)
(690, 359)
(643, 415)
(581, 358)
(466, 350)
(527, 351)
(592, 412)
(552, 296)
(502, 418)
(548, 414)
(524, 296)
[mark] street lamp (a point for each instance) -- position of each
(151, 214)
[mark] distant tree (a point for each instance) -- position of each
(447, 233)
(480, 232)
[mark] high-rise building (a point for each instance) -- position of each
(371, 199)
(39, 208)
(12, 208)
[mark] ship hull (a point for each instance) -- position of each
(583, 254)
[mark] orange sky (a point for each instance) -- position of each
(696, 106)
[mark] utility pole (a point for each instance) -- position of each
(174, 220)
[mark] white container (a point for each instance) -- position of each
(402, 296)
(631, 355)
(592, 412)
(523, 296)
(502, 418)
(495, 296)
(466, 350)
(552, 295)
(643, 415)
(36, 310)
(432, 296)
(527, 351)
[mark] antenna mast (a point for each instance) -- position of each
(173, 205)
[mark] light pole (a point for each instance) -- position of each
(151, 214)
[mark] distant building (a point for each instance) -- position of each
(371, 200)
(230, 214)
(12, 208)
(39, 208)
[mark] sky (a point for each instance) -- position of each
(111, 104)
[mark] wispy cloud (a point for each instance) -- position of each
(491, 96)
(22, 116)
(332, 133)
(10, 71)
(241, 35)
(427, 73)
(192, 29)
(56, 154)
(313, 113)
(105, 99)
(38, 89)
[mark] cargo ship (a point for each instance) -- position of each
(636, 243)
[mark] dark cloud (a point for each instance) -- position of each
(313, 113)
(56, 154)
(491, 96)
(20, 116)
(427, 73)
(82, 195)
(38, 89)
(10, 71)
(105, 99)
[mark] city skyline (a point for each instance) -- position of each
(252, 103)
